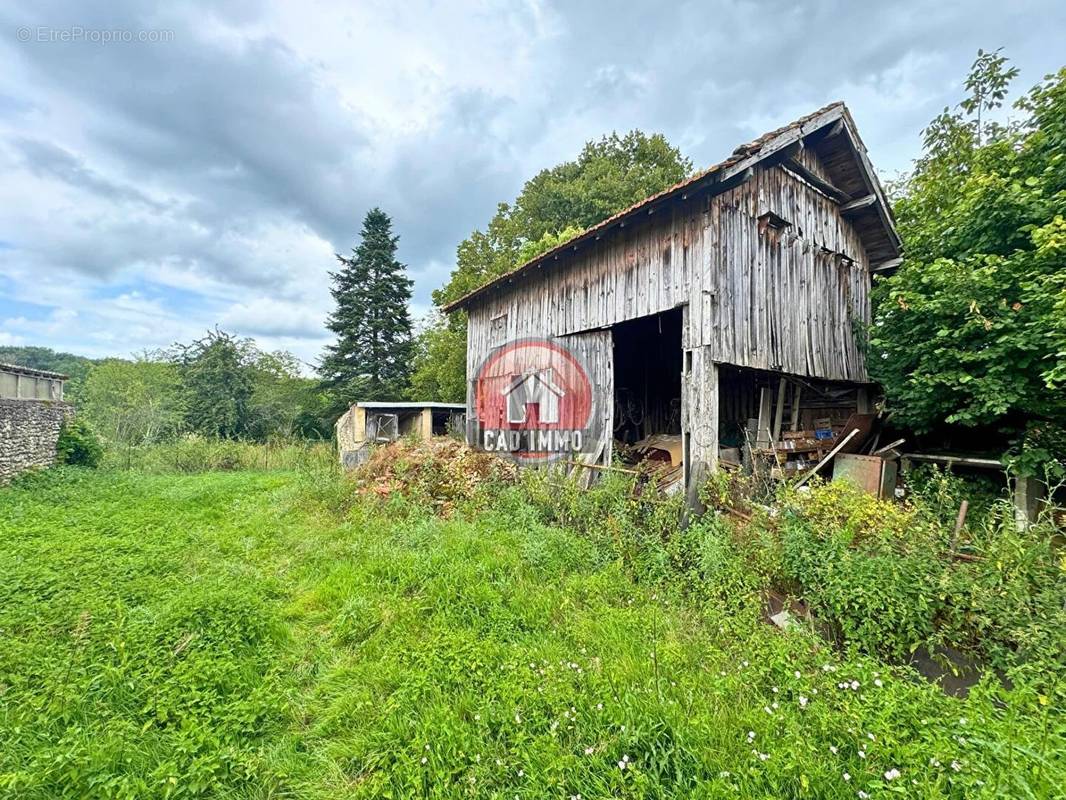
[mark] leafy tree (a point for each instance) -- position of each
(555, 205)
(284, 404)
(132, 403)
(971, 330)
(217, 384)
(372, 356)
(439, 362)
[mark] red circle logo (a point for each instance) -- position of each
(533, 400)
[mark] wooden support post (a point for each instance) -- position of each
(701, 414)
(780, 410)
(762, 430)
(862, 400)
(960, 520)
(797, 391)
(1027, 493)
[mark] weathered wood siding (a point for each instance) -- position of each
(783, 300)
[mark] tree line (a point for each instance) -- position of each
(970, 332)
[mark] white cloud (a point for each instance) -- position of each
(157, 190)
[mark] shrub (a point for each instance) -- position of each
(78, 445)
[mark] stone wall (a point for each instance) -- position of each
(29, 430)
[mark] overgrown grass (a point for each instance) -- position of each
(251, 634)
(192, 453)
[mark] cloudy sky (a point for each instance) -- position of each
(204, 171)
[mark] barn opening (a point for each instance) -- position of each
(792, 422)
(647, 376)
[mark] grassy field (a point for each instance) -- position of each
(258, 635)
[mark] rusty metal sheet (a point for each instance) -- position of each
(863, 471)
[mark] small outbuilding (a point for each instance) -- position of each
(727, 308)
(32, 413)
(367, 423)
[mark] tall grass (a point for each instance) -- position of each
(273, 634)
(192, 453)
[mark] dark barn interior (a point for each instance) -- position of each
(647, 376)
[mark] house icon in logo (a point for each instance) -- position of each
(533, 388)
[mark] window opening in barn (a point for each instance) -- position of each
(499, 328)
(648, 361)
(772, 225)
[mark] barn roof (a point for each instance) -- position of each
(829, 131)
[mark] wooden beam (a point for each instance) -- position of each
(828, 457)
(836, 130)
(797, 390)
(762, 429)
(885, 266)
(779, 411)
(822, 185)
(858, 205)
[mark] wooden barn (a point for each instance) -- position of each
(736, 295)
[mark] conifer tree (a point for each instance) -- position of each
(372, 355)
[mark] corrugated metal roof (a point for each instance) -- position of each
(407, 404)
(30, 371)
(831, 113)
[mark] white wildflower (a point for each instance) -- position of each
(871, 737)
(797, 674)
(878, 683)
(862, 754)
(774, 690)
(847, 776)
(590, 750)
(833, 749)
(751, 735)
(425, 760)
(892, 774)
(622, 765)
(955, 765)
(854, 686)
(803, 701)
(863, 795)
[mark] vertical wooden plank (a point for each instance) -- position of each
(779, 411)
(762, 432)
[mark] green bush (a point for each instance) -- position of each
(78, 445)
